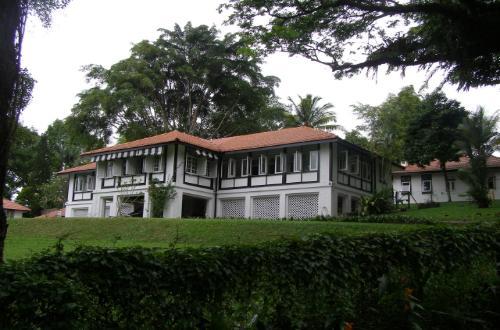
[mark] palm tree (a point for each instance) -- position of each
(479, 138)
(309, 113)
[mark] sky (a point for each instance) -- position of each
(102, 32)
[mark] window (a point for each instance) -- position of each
(262, 165)
(278, 163)
(343, 158)
(156, 164)
(191, 164)
(297, 161)
(255, 166)
(451, 184)
(231, 168)
(354, 164)
(244, 167)
(366, 170)
(80, 183)
(90, 182)
(492, 183)
(124, 167)
(426, 183)
(406, 183)
(313, 160)
(109, 169)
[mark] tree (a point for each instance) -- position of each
(386, 125)
(188, 79)
(20, 164)
(432, 134)
(309, 113)
(15, 83)
(64, 148)
(357, 138)
(478, 139)
(457, 36)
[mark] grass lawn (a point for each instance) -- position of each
(28, 236)
(458, 211)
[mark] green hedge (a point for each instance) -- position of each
(324, 281)
(385, 218)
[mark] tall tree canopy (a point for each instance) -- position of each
(189, 79)
(309, 112)
(458, 36)
(34, 161)
(21, 160)
(433, 132)
(15, 84)
(478, 139)
(386, 125)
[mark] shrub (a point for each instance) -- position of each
(386, 218)
(324, 281)
(159, 195)
(378, 203)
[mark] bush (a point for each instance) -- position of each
(378, 203)
(386, 218)
(324, 281)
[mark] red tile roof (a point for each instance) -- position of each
(235, 143)
(57, 213)
(272, 138)
(10, 205)
(463, 162)
(81, 168)
(156, 140)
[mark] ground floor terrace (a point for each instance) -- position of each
(281, 203)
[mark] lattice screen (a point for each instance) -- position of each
(233, 208)
(302, 206)
(266, 207)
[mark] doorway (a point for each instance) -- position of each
(193, 207)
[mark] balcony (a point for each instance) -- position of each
(199, 180)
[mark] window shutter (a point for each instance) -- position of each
(117, 167)
(148, 164)
(131, 166)
(160, 168)
(101, 169)
(202, 166)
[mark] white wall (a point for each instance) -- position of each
(439, 187)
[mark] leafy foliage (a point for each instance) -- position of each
(456, 36)
(386, 125)
(189, 79)
(160, 195)
(478, 138)
(321, 282)
(433, 132)
(378, 203)
(308, 112)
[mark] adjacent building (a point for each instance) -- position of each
(14, 210)
(427, 184)
(290, 173)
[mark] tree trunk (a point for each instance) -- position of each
(446, 181)
(10, 16)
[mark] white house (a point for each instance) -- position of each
(14, 210)
(426, 184)
(290, 173)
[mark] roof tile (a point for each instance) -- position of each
(10, 205)
(234, 143)
(463, 162)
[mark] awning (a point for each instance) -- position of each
(206, 154)
(131, 153)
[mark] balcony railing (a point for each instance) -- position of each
(268, 180)
(199, 180)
